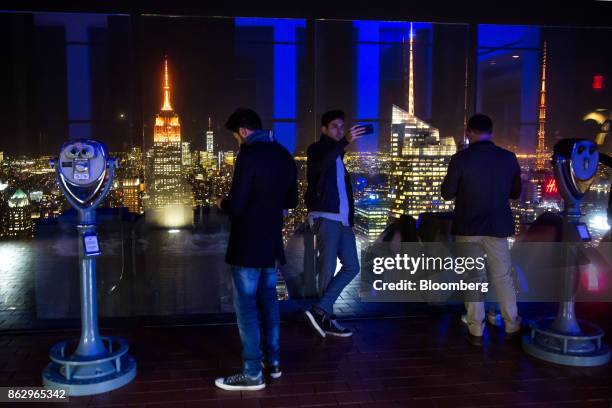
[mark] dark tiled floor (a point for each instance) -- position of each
(419, 360)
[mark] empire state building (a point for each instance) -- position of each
(170, 199)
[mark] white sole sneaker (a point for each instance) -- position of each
(339, 334)
(313, 323)
(491, 319)
(219, 383)
(274, 376)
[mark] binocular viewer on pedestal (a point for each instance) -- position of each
(85, 173)
(564, 339)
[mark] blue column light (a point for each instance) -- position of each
(367, 79)
(285, 81)
(285, 75)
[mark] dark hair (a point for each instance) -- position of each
(331, 115)
(243, 118)
(480, 123)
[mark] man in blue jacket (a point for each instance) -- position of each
(329, 200)
(263, 185)
(481, 179)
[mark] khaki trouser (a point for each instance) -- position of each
(499, 268)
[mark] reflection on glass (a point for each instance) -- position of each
(161, 112)
(540, 85)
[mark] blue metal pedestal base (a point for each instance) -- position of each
(90, 375)
(584, 349)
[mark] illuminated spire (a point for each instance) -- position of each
(541, 154)
(209, 123)
(411, 79)
(166, 106)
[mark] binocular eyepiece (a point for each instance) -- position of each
(575, 163)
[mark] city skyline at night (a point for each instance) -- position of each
(407, 94)
(238, 77)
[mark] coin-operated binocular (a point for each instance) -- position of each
(575, 167)
(563, 339)
(85, 173)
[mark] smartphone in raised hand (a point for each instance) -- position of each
(369, 129)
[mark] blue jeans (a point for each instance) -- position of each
(255, 288)
(333, 241)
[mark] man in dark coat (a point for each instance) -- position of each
(481, 179)
(264, 184)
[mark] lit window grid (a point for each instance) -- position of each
(371, 220)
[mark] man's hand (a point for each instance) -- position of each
(355, 133)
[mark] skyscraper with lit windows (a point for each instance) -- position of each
(419, 158)
(17, 214)
(210, 137)
(170, 202)
(130, 180)
(130, 189)
(371, 217)
(186, 154)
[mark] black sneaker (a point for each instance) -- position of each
(515, 335)
(333, 328)
(475, 341)
(315, 319)
(274, 371)
(241, 382)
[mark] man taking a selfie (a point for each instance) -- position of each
(329, 200)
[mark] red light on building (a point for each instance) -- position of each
(598, 82)
(550, 186)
